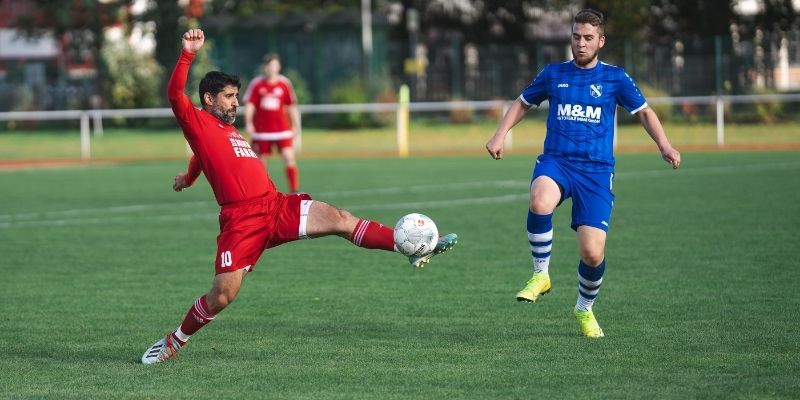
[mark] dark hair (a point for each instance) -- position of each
(215, 81)
(591, 17)
(271, 57)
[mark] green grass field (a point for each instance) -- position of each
(699, 300)
(425, 137)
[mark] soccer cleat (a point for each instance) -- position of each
(589, 326)
(162, 350)
(538, 285)
(445, 243)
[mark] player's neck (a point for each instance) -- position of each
(272, 79)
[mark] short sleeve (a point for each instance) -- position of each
(630, 97)
(251, 94)
(536, 92)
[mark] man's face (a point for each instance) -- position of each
(586, 43)
(224, 104)
(272, 68)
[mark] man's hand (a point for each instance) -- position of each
(672, 156)
(180, 182)
(495, 147)
(250, 128)
(193, 40)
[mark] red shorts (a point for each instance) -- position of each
(249, 228)
(265, 146)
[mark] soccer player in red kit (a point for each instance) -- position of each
(254, 215)
(269, 99)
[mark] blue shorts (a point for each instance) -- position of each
(592, 199)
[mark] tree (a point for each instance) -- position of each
(83, 20)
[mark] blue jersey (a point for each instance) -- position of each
(580, 122)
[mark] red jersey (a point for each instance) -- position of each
(230, 165)
(270, 100)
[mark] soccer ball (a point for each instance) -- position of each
(415, 235)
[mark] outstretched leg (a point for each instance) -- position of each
(223, 291)
(325, 219)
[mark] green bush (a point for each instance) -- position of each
(134, 78)
(300, 86)
(768, 112)
(348, 92)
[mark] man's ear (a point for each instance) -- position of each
(207, 99)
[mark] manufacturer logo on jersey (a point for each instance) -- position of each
(596, 90)
(577, 112)
(563, 85)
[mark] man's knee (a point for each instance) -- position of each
(345, 220)
(541, 206)
(545, 195)
(217, 301)
(592, 257)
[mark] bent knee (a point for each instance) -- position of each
(541, 207)
(592, 258)
(218, 301)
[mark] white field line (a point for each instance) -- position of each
(83, 216)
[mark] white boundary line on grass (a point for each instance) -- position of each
(82, 216)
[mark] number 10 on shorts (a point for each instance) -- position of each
(225, 259)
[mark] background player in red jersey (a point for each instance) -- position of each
(254, 215)
(269, 99)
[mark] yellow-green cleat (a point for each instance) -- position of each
(589, 326)
(538, 285)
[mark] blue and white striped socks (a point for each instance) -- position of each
(540, 236)
(589, 281)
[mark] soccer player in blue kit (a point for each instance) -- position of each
(578, 158)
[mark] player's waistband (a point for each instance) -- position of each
(249, 201)
(272, 135)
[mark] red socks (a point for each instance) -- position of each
(197, 317)
(292, 179)
(372, 235)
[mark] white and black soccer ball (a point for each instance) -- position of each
(415, 235)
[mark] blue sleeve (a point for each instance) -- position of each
(630, 97)
(536, 92)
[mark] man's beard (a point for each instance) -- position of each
(228, 117)
(585, 61)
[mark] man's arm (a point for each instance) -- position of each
(294, 117)
(652, 125)
(184, 180)
(514, 114)
(192, 42)
(249, 113)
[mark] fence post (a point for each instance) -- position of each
(509, 142)
(720, 122)
(402, 122)
(85, 144)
